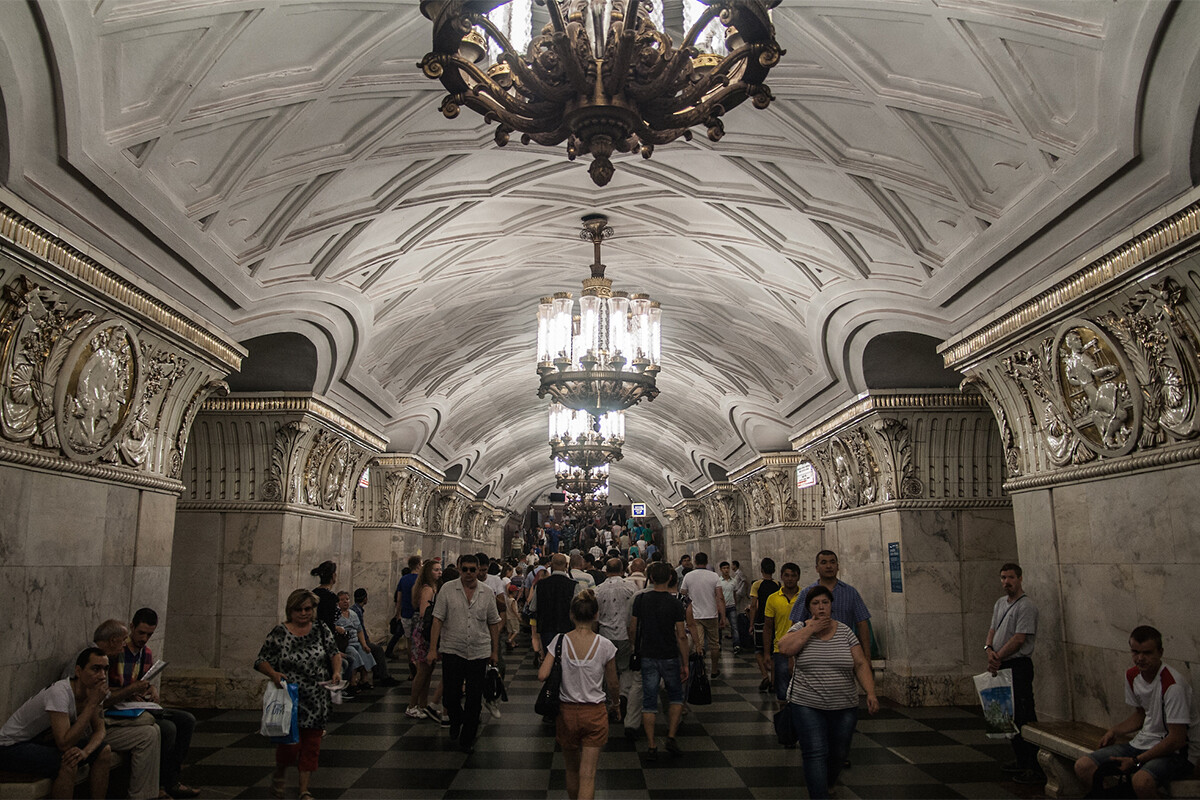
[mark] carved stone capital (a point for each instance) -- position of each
(1099, 374)
(399, 492)
(289, 451)
(902, 448)
(98, 376)
(767, 494)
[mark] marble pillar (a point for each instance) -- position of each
(99, 379)
(269, 494)
(915, 511)
(1093, 379)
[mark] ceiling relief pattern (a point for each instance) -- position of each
(294, 157)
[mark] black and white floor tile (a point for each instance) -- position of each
(729, 751)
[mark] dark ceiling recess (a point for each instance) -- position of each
(717, 473)
(277, 362)
(454, 473)
(904, 360)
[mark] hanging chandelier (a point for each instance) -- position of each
(601, 75)
(581, 441)
(577, 480)
(585, 504)
(606, 358)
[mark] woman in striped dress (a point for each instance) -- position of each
(823, 697)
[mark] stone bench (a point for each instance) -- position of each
(1061, 744)
(22, 786)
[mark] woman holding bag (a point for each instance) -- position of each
(305, 654)
(588, 662)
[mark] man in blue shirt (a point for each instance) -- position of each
(405, 614)
(848, 606)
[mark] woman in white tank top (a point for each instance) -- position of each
(588, 662)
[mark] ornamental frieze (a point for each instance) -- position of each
(765, 495)
(291, 451)
(1096, 382)
(97, 377)
(907, 449)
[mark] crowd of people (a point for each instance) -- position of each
(625, 629)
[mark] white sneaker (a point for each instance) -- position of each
(493, 707)
(414, 712)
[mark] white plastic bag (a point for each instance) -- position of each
(277, 711)
(996, 697)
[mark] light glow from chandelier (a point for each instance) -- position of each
(577, 480)
(607, 357)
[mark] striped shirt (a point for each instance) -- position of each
(128, 666)
(824, 673)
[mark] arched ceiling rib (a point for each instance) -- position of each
(294, 160)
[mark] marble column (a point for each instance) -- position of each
(99, 380)
(269, 484)
(390, 526)
(917, 477)
(1093, 380)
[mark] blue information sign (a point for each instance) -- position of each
(894, 566)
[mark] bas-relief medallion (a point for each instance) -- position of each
(97, 389)
(1093, 379)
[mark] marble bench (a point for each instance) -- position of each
(1061, 744)
(22, 786)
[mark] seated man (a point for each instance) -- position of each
(381, 668)
(1165, 718)
(175, 725)
(62, 728)
(133, 736)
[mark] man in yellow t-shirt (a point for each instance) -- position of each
(776, 622)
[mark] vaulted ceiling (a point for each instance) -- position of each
(283, 167)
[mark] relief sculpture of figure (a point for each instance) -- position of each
(1096, 381)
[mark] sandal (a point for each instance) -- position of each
(307, 796)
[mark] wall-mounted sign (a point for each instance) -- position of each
(806, 475)
(639, 510)
(894, 566)
(364, 480)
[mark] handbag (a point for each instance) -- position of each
(699, 689)
(635, 657)
(548, 699)
(493, 685)
(281, 713)
(785, 732)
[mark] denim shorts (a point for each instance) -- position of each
(1165, 769)
(666, 669)
(39, 757)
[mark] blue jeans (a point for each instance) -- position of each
(666, 669)
(731, 618)
(824, 738)
(783, 676)
(1164, 769)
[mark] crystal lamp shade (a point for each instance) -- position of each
(584, 441)
(603, 356)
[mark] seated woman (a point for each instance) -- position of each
(61, 728)
(822, 697)
(358, 652)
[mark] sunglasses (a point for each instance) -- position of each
(468, 569)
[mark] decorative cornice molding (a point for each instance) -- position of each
(908, 505)
(764, 461)
(41, 461)
(1144, 248)
(413, 463)
(872, 402)
(35, 241)
(255, 507)
(1104, 469)
(295, 404)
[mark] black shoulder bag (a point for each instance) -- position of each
(547, 701)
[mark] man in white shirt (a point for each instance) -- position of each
(1165, 717)
(708, 607)
(613, 596)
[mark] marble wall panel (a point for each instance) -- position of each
(937, 645)
(975, 626)
(156, 529)
(248, 590)
(932, 587)
(988, 534)
(1166, 599)
(980, 589)
(194, 640)
(252, 538)
(1097, 683)
(930, 535)
(240, 643)
(1099, 603)
(1179, 485)
(149, 587)
(16, 625)
(120, 523)
(14, 514)
(55, 538)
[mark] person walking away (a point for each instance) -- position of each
(588, 664)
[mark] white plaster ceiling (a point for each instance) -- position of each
(283, 167)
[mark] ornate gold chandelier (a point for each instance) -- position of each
(579, 481)
(584, 442)
(606, 358)
(601, 75)
(586, 504)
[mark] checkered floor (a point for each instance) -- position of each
(373, 751)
